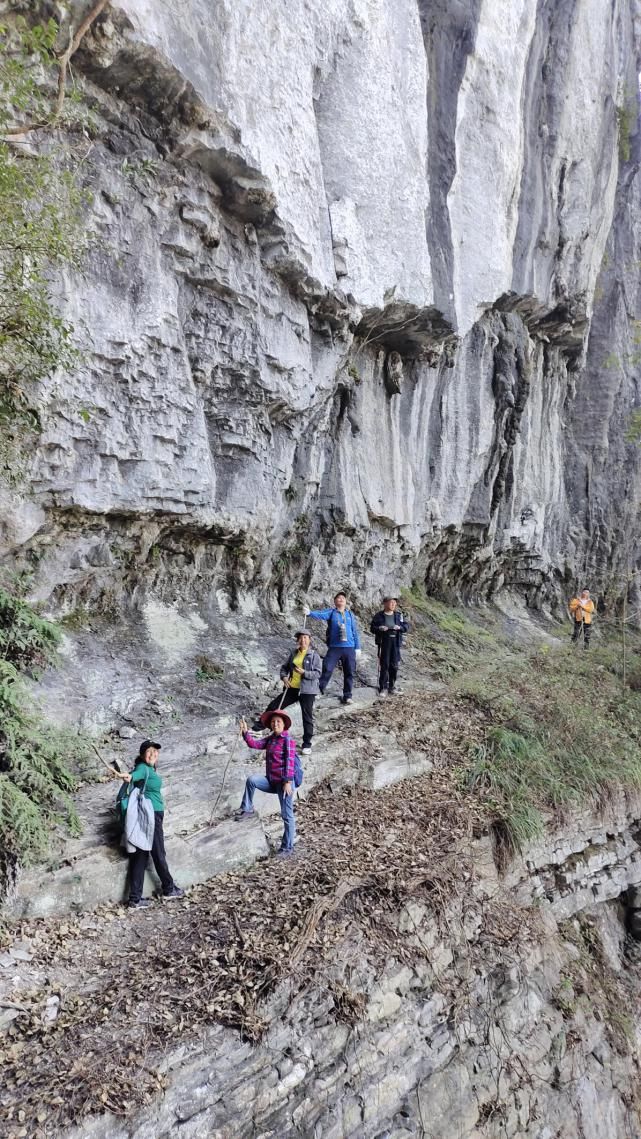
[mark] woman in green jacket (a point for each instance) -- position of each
(144, 775)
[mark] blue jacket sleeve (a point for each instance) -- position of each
(355, 633)
(322, 614)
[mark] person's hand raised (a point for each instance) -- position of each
(244, 726)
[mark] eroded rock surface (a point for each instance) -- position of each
(325, 234)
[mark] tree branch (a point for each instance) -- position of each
(75, 39)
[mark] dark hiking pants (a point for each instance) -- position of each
(581, 627)
(138, 863)
(347, 657)
(294, 696)
(387, 662)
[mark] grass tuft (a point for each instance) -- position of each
(557, 730)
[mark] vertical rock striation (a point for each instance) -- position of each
(365, 273)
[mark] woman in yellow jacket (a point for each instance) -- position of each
(582, 609)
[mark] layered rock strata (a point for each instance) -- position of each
(360, 305)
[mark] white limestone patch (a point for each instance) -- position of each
(173, 631)
(489, 155)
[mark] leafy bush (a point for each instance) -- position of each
(626, 125)
(208, 669)
(35, 777)
(26, 639)
(41, 228)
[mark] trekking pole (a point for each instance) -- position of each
(227, 766)
(220, 789)
(111, 770)
(207, 825)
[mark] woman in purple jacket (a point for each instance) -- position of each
(280, 762)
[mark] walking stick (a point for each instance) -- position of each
(227, 766)
(111, 770)
(220, 790)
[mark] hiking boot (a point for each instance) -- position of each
(239, 815)
(347, 700)
(382, 693)
(307, 750)
(285, 852)
(175, 892)
(391, 692)
(141, 904)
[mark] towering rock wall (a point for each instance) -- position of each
(360, 305)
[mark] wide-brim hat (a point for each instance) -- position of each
(267, 718)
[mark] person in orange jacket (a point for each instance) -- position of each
(582, 609)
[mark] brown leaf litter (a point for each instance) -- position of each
(133, 984)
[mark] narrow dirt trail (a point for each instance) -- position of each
(126, 985)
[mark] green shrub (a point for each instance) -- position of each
(626, 125)
(41, 228)
(208, 669)
(36, 780)
(26, 640)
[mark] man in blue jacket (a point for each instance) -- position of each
(344, 643)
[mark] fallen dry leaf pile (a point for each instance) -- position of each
(132, 984)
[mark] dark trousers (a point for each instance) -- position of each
(387, 662)
(295, 696)
(347, 657)
(138, 863)
(580, 626)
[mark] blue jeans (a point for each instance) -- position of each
(261, 783)
(347, 657)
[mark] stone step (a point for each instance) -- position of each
(92, 869)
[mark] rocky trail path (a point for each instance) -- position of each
(92, 1006)
(205, 765)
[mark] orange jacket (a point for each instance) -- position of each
(582, 610)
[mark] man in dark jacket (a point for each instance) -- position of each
(388, 627)
(300, 675)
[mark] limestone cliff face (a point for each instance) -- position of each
(361, 303)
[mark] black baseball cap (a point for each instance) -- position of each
(146, 744)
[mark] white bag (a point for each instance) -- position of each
(140, 821)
